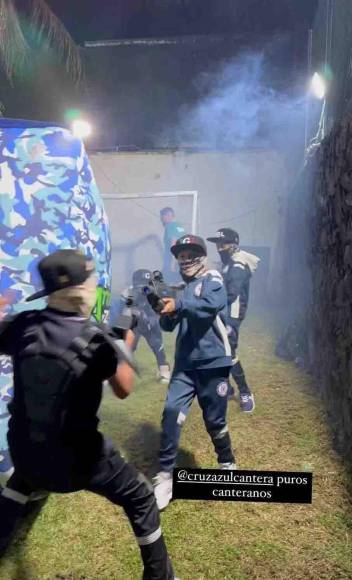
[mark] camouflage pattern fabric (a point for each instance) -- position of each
(49, 200)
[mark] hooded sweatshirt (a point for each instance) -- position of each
(237, 277)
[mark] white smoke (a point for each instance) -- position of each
(241, 109)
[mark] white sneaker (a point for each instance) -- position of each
(227, 466)
(163, 489)
(164, 374)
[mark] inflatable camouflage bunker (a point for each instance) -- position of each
(49, 200)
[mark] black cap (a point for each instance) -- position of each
(225, 236)
(141, 277)
(62, 269)
(189, 242)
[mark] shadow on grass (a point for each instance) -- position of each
(17, 548)
(143, 450)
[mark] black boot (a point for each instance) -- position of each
(157, 564)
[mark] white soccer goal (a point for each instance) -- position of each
(137, 232)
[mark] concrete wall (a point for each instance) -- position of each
(243, 190)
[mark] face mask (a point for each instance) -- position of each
(226, 255)
(76, 299)
(192, 267)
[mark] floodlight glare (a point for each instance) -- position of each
(81, 128)
(318, 86)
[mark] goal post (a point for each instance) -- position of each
(136, 230)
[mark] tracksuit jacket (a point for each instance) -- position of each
(202, 313)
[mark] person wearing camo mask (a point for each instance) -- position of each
(61, 359)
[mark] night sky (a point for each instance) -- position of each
(109, 19)
(135, 94)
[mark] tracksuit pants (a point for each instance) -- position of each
(152, 334)
(118, 482)
(237, 371)
(210, 386)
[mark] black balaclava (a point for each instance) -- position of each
(226, 255)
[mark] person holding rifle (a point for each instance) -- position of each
(61, 359)
(202, 359)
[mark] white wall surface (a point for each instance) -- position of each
(242, 190)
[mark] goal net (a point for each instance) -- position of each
(137, 232)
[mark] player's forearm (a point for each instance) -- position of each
(122, 381)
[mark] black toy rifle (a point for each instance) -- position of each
(158, 289)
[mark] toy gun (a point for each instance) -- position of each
(158, 289)
(127, 319)
(162, 289)
(154, 299)
(115, 336)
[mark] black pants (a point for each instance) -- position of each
(237, 371)
(210, 386)
(113, 479)
(152, 333)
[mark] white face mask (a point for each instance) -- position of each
(77, 299)
(192, 267)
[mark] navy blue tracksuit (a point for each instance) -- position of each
(237, 277)
(202, 365)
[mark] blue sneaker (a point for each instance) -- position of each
(247, 403)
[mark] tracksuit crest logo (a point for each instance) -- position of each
(222, 389)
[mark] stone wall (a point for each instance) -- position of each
(318, 277)
(331, 269)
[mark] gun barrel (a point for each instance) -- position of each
(154, 299)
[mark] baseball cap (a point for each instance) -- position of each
(141, 276)
(62, 269)
(225, 236)
(189, 242)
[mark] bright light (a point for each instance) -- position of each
(318, 86)
(81, 128)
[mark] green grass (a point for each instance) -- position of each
(83, 537)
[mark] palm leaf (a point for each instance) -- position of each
(51, 31)
(13, 45)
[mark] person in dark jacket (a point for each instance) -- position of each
(202, 360)
(238, 267)
(71, 454)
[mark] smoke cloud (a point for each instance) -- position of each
(242, 109)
